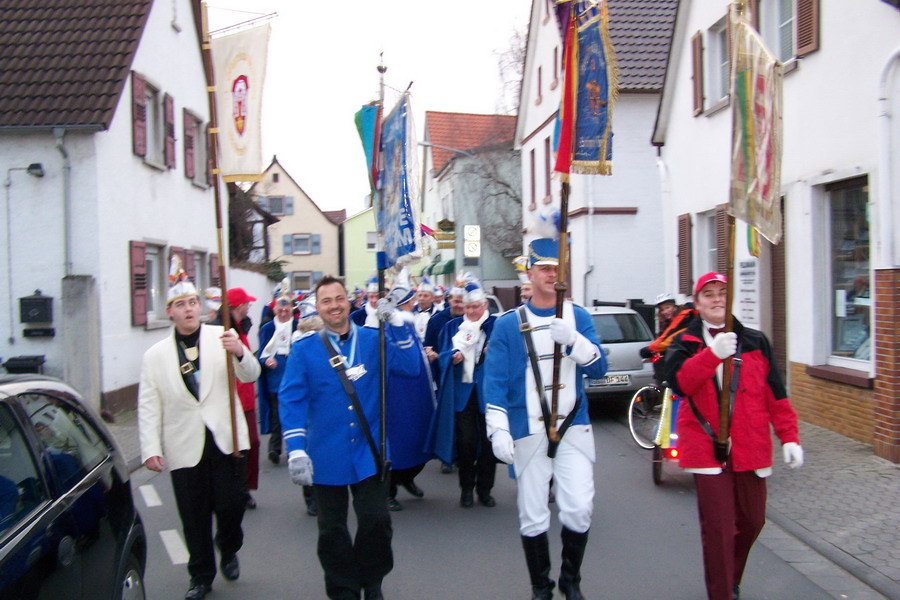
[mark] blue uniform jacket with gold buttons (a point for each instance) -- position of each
(316, 413)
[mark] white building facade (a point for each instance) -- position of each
(827, 295)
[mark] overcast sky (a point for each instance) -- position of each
(322, 68)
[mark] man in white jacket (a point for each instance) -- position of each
(185, 424)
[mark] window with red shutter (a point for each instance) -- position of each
(807, 26)
(190, 266)
(169, 125)
(721, 238)
(697, 71)
(138, 114)
(139, 287)
(189, 143)
(685, 274)
(214, 279)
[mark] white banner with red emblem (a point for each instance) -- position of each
(239, 65)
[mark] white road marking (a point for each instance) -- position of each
(151, 498)
(175, 547)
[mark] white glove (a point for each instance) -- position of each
(793, 455)
(300, 467)
(724, 344)
(387, 311)
(503, 446)
(563, 333)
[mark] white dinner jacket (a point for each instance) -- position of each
(171, 422)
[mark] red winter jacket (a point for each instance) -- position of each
(761, 400)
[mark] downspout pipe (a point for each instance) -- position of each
(888, 255)
(59, 133)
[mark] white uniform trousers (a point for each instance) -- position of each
(573, 470)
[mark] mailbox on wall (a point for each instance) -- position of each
(36, 308)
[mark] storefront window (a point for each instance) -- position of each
(851, 315)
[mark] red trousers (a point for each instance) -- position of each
(253, 453)
(732, 509)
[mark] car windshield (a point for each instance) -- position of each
(621, 328)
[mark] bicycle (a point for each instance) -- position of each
(651, 415)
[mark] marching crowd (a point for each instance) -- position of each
(360, 391)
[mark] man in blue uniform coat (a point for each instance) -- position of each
(459, 425)
(327, 441)
(517, 416)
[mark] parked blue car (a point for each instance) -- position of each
(68, 525)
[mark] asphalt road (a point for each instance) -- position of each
(644, 542)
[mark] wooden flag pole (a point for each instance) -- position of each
(725, 392)
(561, 288)
(214, 160)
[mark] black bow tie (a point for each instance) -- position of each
(716, 331)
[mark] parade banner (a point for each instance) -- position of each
(756, 134)
(398, 214)
(590, 88)
(239, 66)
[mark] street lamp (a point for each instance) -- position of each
(35, 170)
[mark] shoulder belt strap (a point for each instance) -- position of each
(337, 364)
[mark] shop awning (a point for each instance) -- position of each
(426, 271)
(443, 267)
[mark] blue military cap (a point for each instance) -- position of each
(543, 251)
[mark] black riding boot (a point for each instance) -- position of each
(572, 555)
(537, 555)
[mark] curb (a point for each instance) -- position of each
(871, 577)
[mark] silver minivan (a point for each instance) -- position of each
(622, 334)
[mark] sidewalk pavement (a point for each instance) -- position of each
(841, 505)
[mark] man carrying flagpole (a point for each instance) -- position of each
(517, 420)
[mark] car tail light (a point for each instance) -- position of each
(671, 453)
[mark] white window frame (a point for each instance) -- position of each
(371, 241)
(298, 237)
(155, 258)
(830, 293)
(716, 79)
(777, 29)
(295, 280)
(156, 126)
(269, 205)
(706, 252)
(200, 159)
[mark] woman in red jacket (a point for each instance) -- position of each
(731, 496)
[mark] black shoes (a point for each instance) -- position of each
(249, 501)
(737, 592)
(446, 468)
(231, 568)
(393, 505)
(467, 499)
(274, 457)
(413, 489)
(198, 591)
(373, 593)
(487, 500)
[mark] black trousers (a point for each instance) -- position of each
(352, 565)
(474, 455)
(274, 425)
(215, 485)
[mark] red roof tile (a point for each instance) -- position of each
(336, 216)
(466, 132)
(65, 62)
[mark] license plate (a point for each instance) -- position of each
(611, 380)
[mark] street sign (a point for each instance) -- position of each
(472, 249)
(472, 233)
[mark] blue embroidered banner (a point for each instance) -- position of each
(397, 218)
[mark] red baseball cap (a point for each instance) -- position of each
(705, 279)
(237, 296)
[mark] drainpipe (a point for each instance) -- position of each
(666, 196)
(60, 133)
(886, 166)
(588, 247)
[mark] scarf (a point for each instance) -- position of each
(280, 342)
(469, 340)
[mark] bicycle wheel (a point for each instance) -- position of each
(643, 415)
